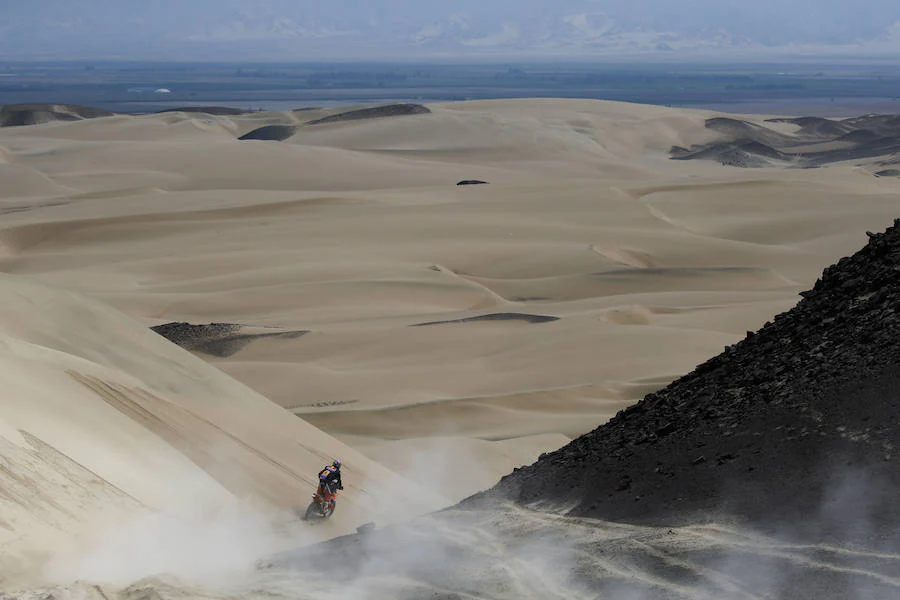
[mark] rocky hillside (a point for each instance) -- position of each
(796, 426)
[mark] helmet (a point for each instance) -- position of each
(337, 463)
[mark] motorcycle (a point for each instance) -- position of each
(321, 505)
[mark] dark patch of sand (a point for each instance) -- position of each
(18, 115)
(750, 145)
(817, 127)
(216, 339)
(221, 111)
(494, 317)
(741, 153)
(376, 112)
(270, 133)
(860, 136)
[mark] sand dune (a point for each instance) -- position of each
(636, 267)
(103, 419)
(271, 133)
(814, 142)
(20, 181)
(378, 112)
(17, 115)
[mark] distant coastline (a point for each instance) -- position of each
(132, 87)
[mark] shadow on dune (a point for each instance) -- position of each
(376, 112)
(219, 111)
(17, 115)
(216, 339)
(494, 317)
(271, 133)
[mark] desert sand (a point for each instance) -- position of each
(615, 269)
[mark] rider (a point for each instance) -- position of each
(328, 478)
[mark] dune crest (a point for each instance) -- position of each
(135, 424)
(591, 271)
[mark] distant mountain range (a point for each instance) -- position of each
(296, 29)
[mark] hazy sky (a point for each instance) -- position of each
(315, 29)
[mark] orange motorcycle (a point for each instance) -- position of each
(323, 503)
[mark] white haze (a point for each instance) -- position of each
(500, 553)
(316, 30)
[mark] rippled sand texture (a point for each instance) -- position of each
(447, 333)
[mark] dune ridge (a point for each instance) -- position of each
(816, 142)
(355, 232)
(18, 115)
(135, 424)
(307, 263)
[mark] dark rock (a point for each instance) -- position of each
(813, 390)
(665, 430)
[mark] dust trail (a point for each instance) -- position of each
(213, 548)
(503, 552)
(507, 552)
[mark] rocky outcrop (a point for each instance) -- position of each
(797, 426)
